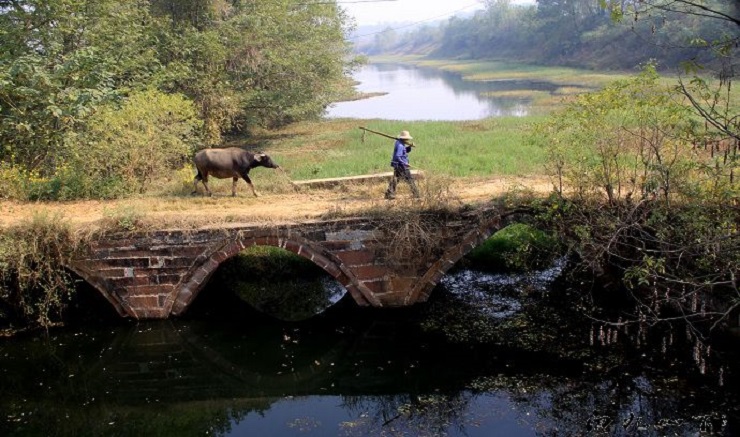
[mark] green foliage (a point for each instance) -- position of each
(630, 139)
(34, 285)
(118, 151)
(59, 60)
(194, 63)
(604, 34)
(9, 180)
(66, 66)
(517, 247)
(262, 63)
(634, 138)
(124, 148)
(650, 194)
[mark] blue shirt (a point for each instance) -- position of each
(400, 154)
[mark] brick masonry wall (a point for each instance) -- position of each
(155, 275)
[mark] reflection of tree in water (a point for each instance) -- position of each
(624, 405)
(636, 385)
(620, 406)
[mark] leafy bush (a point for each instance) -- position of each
(9, 179)
(124, 149)
(648, 194)
(119, 151)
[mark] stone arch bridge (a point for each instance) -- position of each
(381, 261)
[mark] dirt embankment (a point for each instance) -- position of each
(303, 204)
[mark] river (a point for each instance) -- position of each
(489, 355)
(415, 93)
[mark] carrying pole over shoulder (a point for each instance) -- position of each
(378, 133)
(381, 134)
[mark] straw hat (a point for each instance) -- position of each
(404, 135)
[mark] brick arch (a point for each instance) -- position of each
(199, 274)
(100, 285)
(471, 240)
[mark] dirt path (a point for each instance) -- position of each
(200, 211)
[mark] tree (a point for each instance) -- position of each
(665, 158)
(242, 63)
(712, 9)
(720, 36)
(385, 40)
(59, 60)
(254, 63)
(668, 228)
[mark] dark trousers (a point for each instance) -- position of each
(401, 172)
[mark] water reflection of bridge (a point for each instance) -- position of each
(182, 369)
(173, 362)
(381, 260)
(191, 378)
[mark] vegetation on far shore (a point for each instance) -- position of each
(599, 35)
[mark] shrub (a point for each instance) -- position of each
(124, 149)
(9, 179)
(648, 194)
(34, 285)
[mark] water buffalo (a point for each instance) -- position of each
(230, 162)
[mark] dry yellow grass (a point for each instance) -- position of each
(164, 212)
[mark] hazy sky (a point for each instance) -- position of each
(375, 11)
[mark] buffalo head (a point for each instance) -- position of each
(264, 160)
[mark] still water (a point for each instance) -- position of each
(489, 355)
(415, 93)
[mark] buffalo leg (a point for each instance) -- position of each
(202, 178)
(207, 189)
(249, 182)
(234, 180)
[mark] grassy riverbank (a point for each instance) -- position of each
(336, 148)
(470, 149)
(570, 81)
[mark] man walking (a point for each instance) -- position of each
(400, 164)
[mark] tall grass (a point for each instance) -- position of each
(335, 148)
(471, 149)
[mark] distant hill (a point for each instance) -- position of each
(367, 34)
(546, 34)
